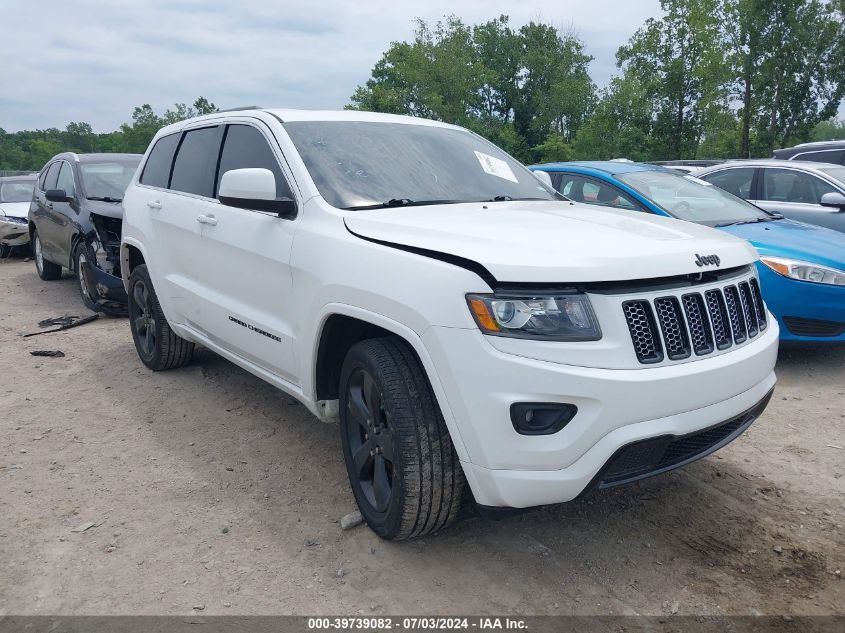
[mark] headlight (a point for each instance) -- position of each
(549, 317)
(805, 271)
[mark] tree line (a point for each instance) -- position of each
(708, 79)
(29, 150)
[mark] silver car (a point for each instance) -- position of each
(801, 190)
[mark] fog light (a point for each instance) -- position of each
(541, 418)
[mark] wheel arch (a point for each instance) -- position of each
(340, 327)
(131, 255)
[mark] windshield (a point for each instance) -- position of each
(357, 164)
(16, 190)
(835, 172)
(108, 179)
(688, 198)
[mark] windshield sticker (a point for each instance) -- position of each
(495, 167)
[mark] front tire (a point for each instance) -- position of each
(399, 456)
(158, 346)
(80, 257)
(47, 270)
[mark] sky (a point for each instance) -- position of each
(95, 60)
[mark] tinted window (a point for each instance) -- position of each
(787, 185)
(157, 170)
(16, 190)
(583, 189)
(244, 147)
(735, 181)
(52, 175)
(827, 156)
(65, 180)
(196, 161)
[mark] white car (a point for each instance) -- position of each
(472, 331)
(15, 196)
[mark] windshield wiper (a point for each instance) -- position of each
(509, 199)
(402, 202)
(738, 222)
(105, 198)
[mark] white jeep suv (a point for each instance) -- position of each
(473, 331)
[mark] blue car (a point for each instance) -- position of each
(802, 266)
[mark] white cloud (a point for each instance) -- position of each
(94, 61)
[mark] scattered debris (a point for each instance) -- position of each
(227, 604)
(64, 326)
(340, 573)
(225, 530)
(198, 607)
(311, 543)
(778, 549)
(62, 320)
(833, 446)
(42, 436)
(57, 353)
(87, 526)
(351, 520)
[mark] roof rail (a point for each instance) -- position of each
(252, 107)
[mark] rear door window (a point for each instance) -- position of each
(157, 169)
(736, 181)
(835, 156)
(196, 162)
(246, 147)
(788, 185)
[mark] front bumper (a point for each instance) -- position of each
(14, 231)
(804, 310)
(106, 290)
(616, 407)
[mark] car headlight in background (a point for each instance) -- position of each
(550, 317)
(805, 271)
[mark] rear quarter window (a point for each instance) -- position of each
(157, 169)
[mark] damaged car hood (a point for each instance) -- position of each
(554, 242)
(107, 209)
(14, 209)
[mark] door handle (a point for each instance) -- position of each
(207, 219)
(154, 204)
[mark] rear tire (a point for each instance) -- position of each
(47, 270)
(399, 456)
(158, 346)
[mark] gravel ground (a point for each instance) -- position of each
(209, 488)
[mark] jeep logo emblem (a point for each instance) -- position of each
(707, 260)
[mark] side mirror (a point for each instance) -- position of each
(543, 176)
(254, 188)
(57, 195)
(833, 199)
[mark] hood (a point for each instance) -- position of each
(15, 209)
(107, 209)
(786, 238)
(553, 242)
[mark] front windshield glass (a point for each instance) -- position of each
(108, 179)
(835, 172)
(16, 191)
(688, 198)
(362, 164)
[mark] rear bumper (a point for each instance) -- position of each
(106, 290)
(13, 231)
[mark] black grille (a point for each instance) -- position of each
(700, 332)
(659, 454)
(640, 320)
(759, 306)
(719, 318)
(735, 314)
(748, 309)
(700, 323)
(813, 327)
(672, 326)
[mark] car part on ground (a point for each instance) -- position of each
(465, 323)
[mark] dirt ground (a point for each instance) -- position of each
(209, 488)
